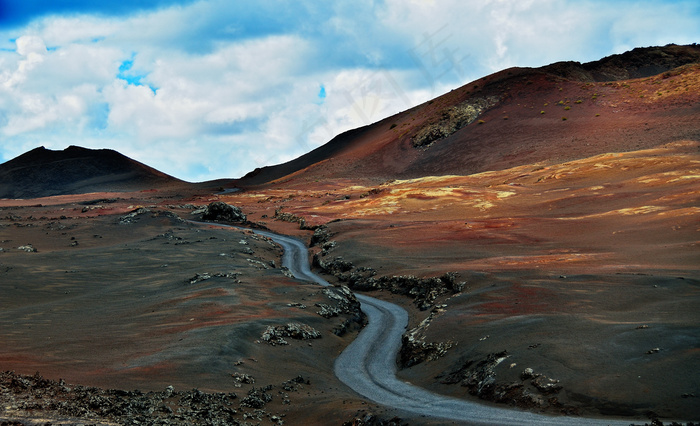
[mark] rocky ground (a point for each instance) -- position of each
(34, 400)
(131, 315)
(510, 302)
(567, 288)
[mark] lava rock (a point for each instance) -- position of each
(220, 211)
(275, 335)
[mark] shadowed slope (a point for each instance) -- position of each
(75, 170)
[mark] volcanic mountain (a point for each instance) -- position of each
(539, 226)
(540, 219)
(639, 99)
(42, 172)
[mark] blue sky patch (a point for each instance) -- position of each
(15, 13)
(322, 95)
(131, 77)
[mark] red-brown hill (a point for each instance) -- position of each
(639, 99)
(42, 172)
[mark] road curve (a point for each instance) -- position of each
(368, 364)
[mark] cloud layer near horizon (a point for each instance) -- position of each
(210, 89)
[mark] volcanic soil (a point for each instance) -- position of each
(568, 213)
(540, 226)
(585, 272)
(119, 291)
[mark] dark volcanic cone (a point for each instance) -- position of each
(75, 170)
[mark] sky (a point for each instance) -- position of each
(208, 89)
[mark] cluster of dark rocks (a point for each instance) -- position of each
(534, 390)
(23, 396)
(140, 212)
(204, 276)
(424, 291)
(342, 302)
(292, 218)
(415, 349)
(221, 212)
(369, 419)
(277, 334)
(34, 397)
(133, 216)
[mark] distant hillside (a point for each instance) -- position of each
(642, 98)
(75, 170)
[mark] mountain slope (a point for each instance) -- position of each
(42, 173)
(564, 111)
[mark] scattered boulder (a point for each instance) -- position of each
(199, 277)
(528, 373)
(414, 348)
(275, 335)
(321, 236)
(534, 390)
(257, 398)
(22, 395)
(198, 210)
(220, 211)
(136, 214)
(343, 301)
(481, 378)
(546, 385)
(132, 217)
(292, 218)
(242, 378)
(293, 385)
(369, 419)
(424, 291)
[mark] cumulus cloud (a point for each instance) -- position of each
(208, 89)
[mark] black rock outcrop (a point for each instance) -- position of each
(220, 211)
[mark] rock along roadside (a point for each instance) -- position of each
(368, 364)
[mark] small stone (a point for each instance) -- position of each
(546, 385)
(528, 373)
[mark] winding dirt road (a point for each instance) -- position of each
(368, 365)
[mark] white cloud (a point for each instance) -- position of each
(30, 45)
